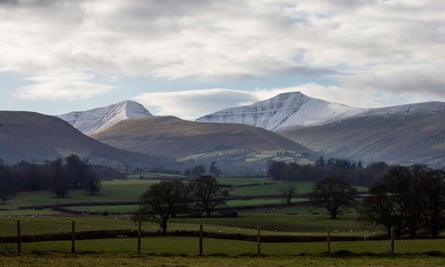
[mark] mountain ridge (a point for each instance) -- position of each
(235, 147)
(98, 119)
(283, 111)
(37, 137)
(404, 134)
(198, 137)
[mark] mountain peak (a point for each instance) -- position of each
(291, 109)
(98, 119)
(133, 109)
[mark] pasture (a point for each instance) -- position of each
(180, 251)
(274, 219)
(92, 259)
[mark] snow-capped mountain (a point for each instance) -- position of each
(405, 134)
(426, 108)
(98, 119)
(284, 111)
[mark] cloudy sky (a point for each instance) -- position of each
(190, 58)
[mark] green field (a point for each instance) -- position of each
(270, 188)
(96, 260)
(244, 181)
(129, 190)
(176, 246)
(291, 220)
(111, 191)
(181, 251)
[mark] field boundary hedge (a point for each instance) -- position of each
(105, 234)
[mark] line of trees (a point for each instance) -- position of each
(169, 198)
(59, 176)
(200, 170)
(410, 199)
(351, 171)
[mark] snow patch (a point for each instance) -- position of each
(284, 111)
(98, 119)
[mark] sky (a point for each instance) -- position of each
(191, 58)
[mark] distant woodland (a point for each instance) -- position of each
(351, 171)
(58, 176)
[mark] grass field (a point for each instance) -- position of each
(54, 259)
(306, 224)
(129, 190)
(177, 246)
(114, 190)
(182, 251)
(272, 223)
(273, 188)
(244, 181)
(174, 251)
(270, 187)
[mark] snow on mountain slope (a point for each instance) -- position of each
(426, 108)
(98, 119)
(405, 134)
(283, 111)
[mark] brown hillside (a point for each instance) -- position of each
(173, 137)
(36, 137)
(400, 139)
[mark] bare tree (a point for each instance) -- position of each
(409, 199)
(287, 193)
(332, 193)
(163, 201)
(207, 193)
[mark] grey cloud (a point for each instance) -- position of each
(45, 6)
(194, 103)
(162, 8)
(416, 82)
(168, 19)
(226, 39)
(9, 2)
(310, 71)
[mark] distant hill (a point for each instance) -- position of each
(173, 137)
(36, 137)
(284, 111)
(98, 119)
(404, 134)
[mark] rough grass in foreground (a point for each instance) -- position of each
(94, 260)
(177, 246)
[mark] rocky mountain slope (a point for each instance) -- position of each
(284, 111)
(99, 119)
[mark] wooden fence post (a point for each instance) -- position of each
(73, 237)
(328, 239)
(19, 237)
(139, 236)
(258, 240)
(392, 239)
(201, 234)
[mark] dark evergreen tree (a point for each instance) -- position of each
(60, 180)
(278, 170)
(198, 170)
(214, 170)
(7, 186)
